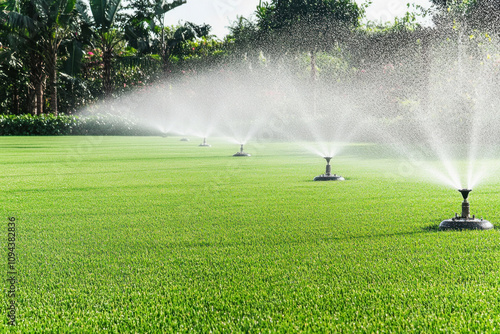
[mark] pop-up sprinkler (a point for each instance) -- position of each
(241, 153)
(465, 221)
(328, 173)
(205, 144)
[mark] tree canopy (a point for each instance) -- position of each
(308, 23)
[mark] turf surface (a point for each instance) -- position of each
(154, 235)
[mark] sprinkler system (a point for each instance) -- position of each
(241, 153)
(205, 144)
(184, 139)
(465, 221)
(328, 173)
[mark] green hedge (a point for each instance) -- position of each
(49, 125)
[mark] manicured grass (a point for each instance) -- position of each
(154, 235)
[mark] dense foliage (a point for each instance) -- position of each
(83, 52)
(60, 55)
(50, 125)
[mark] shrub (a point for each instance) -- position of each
(49, 125)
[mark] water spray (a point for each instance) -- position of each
(241, 153)
(205, 144)
(465, 221)
(328, 173)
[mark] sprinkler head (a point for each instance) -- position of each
(241, 153)
(465, 193)
(205, 144)
(328, 173)
(465, 221)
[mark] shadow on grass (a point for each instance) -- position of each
(329, 181)
(301, 240)
(431, 228)
(292, 241)
(435, 228)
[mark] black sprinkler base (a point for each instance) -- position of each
(325, 177)
(205, 145)
(242, 154)
(465, 224)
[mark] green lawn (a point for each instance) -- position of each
(154, 235)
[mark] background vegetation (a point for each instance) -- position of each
(61, 55)
(50, 125)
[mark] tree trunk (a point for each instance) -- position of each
(13, 76)
(15, 98)
(165, 53)
(313, 80)
(39, 97)
(106, 58)
(53, 82)
(313, 66)
(36, 83)
(166, 64)
(426, 72)
(31, 102)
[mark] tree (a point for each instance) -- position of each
(473, 14)
(104, 13)
(43, 25)
(145, 27)
(58, 14)
(13, 79)
(485, 15)
(187, 32)
(146, 30)
(308, 24)
(244, 34)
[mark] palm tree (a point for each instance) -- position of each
(104, 12)
(18, 26)
(13, 80)
(187, 32)
(309, 25)
(43, 25)
(146, 29)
